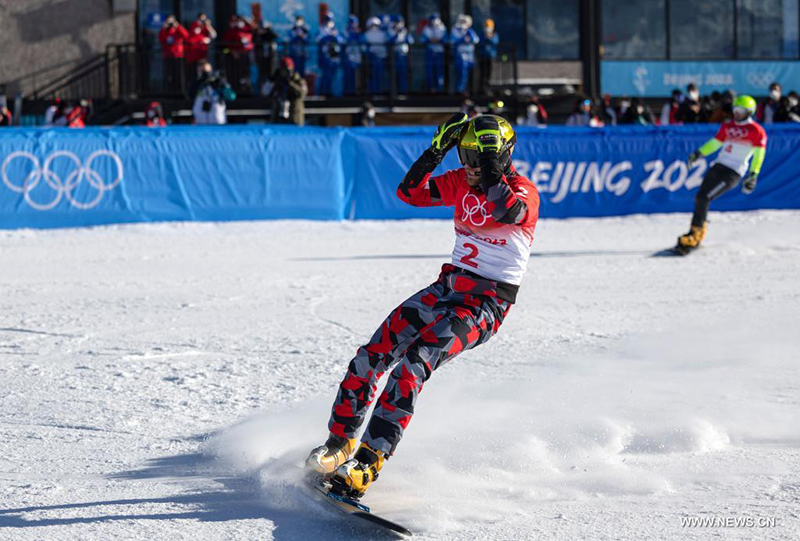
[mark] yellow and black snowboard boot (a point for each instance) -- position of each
(354, 477)
(326, 458)
(691, 240)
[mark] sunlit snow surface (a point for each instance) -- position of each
(162, 382)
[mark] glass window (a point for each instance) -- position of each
(482, 10)
(701, 29)
(190, 9)
(385, 7)
(152, 14)
(553, 29)
(634, 29)
(419, 11)
(457, 7)
(508, 16)
(767, 28)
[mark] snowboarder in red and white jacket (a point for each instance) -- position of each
(496, 211)
(738, 141)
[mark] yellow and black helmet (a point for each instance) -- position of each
(468, 144)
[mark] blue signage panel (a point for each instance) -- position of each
(281, 14)
(578, 171)
(66, 178)
(63, 178)
(659, 78)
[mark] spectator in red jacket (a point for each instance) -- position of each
(6, 118)
(173, 38)
(238, 41)
(201, 34)
(204, 24)
(69, 115)
(154, 116)
(197, 45)
(239, 36)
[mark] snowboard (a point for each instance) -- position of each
(675, 251)
(321, 489)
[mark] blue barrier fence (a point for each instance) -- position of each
(66, 178)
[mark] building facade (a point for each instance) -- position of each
(43, 40)
(634, 47)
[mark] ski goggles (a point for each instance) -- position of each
(468, 157)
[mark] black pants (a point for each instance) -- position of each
(717, 181)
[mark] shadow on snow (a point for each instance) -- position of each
(238, 498)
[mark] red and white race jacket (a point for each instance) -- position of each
(738, 141)
(494, 231)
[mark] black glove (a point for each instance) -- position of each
(749, 183)
(490, 143)
(446, 135)
(693, 157)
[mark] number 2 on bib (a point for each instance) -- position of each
(473, 253)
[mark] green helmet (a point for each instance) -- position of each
(468, 143)
(747, 103)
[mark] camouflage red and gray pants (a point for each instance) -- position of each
(456, 313)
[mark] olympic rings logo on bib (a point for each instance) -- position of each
(735, 132)
(474, 210)
(62, 187)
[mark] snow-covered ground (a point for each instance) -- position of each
(159, 381)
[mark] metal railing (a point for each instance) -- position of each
(128, 71)
(143, 71)
(87, 80)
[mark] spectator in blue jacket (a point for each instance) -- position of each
(330, 54)
(375, 42)
(386, 23)
(434, 36)
(353, 57)
(299, 39)
(487, 52)
(400, 39)
(463, 38)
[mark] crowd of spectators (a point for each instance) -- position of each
(287, 89)
(251, 57)
(68, 114)
(687, 107)
(375, 57)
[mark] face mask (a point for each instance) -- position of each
(775, 94)
(694, 95)
(793, 102)
(624, 104)
(640, 109)
(371, 113)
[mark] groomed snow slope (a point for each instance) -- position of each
(159, 381)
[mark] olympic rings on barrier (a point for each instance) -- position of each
(62, 187)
